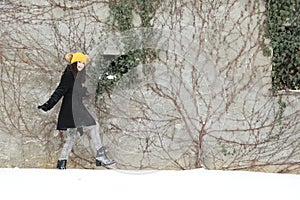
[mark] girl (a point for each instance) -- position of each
(73, 115)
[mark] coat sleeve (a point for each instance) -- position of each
(64, 85)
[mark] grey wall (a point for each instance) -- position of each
(204, 102)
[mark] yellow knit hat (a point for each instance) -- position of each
(77, 57)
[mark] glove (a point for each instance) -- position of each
(44, 107)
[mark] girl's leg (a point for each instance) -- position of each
(94, 131)
(101, 158)
(67, 148)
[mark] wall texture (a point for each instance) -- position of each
(204, 101)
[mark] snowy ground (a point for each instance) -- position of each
(114, 184)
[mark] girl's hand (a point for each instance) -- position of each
(43, 107)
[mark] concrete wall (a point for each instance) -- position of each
(205, 102)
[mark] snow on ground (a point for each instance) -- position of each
(118, 184)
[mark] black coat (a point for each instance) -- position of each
(73, 113)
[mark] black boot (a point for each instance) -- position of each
(102, 159)
(61, 164)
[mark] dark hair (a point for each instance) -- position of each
(73, 68)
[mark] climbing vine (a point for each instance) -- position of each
(283, 30)
(146, 11)
(121, 17)
(121, 12)
(120, 66)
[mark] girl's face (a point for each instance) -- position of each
(80, 66)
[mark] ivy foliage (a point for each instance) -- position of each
(121, 16)
(120, 66)
(146, 10)
(283, 29)
(122, 11)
